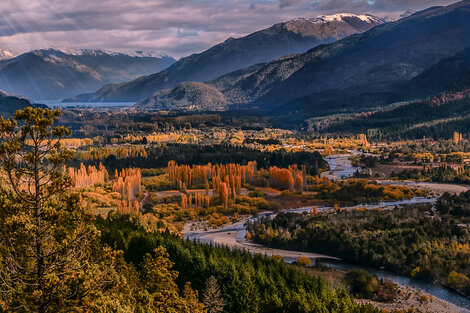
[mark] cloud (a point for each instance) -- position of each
(178, 27)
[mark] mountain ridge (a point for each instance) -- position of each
(289, 37)
(361, 59)
(55, 74)
(368, 69)
(10, 103)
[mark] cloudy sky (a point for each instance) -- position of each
(177, 27)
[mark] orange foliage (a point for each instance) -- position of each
(227, 180)
(284, 178)
(304, 261)
(71, 143)
(128, 183)
(281, 178)
(201, 174)
(128, 207)
(84, 176)
(120, 153)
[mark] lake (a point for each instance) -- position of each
(60, 104)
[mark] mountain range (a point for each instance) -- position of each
(59, 73)
(286, 38)
(364, 70)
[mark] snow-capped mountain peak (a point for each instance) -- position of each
(342, 16)
(99, 52)
(5, 54)
(103, 52)
(348, 18)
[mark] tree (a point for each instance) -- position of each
(192, 301)
(212, 298)
(158, 279)
(303, 261)
(48, 258)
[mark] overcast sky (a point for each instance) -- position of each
(177, 27)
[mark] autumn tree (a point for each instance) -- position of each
(84, 176)
(128, 183)
(48, 241)
(281, 178)
(192, 300)
(212, 297)
(457, 137)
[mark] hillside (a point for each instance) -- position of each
(197, 96)
(10, 103)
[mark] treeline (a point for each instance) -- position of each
(248, 283)
(459, 175)
(86, 122)
(407, 150)
(358, 190)
(411, 240)
(397, 123)
(191, 154)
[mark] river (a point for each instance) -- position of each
(233, 235)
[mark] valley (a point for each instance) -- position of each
(283, 157)
(177, 191)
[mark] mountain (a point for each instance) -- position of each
(352, 72)
(407, 13)
(59, 73)
(197, 96)
(451, 74)
(10, 103)
(289, 37)
(5, 54)
(364, 70)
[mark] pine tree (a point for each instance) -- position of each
(212, 297)
(49, 259)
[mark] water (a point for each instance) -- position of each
(340, 167)
(433, 288)
(60, 104)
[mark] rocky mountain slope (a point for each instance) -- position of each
(289, 37)
(59, 73)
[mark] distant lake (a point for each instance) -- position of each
(60, 104)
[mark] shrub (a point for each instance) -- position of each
(304, 261)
